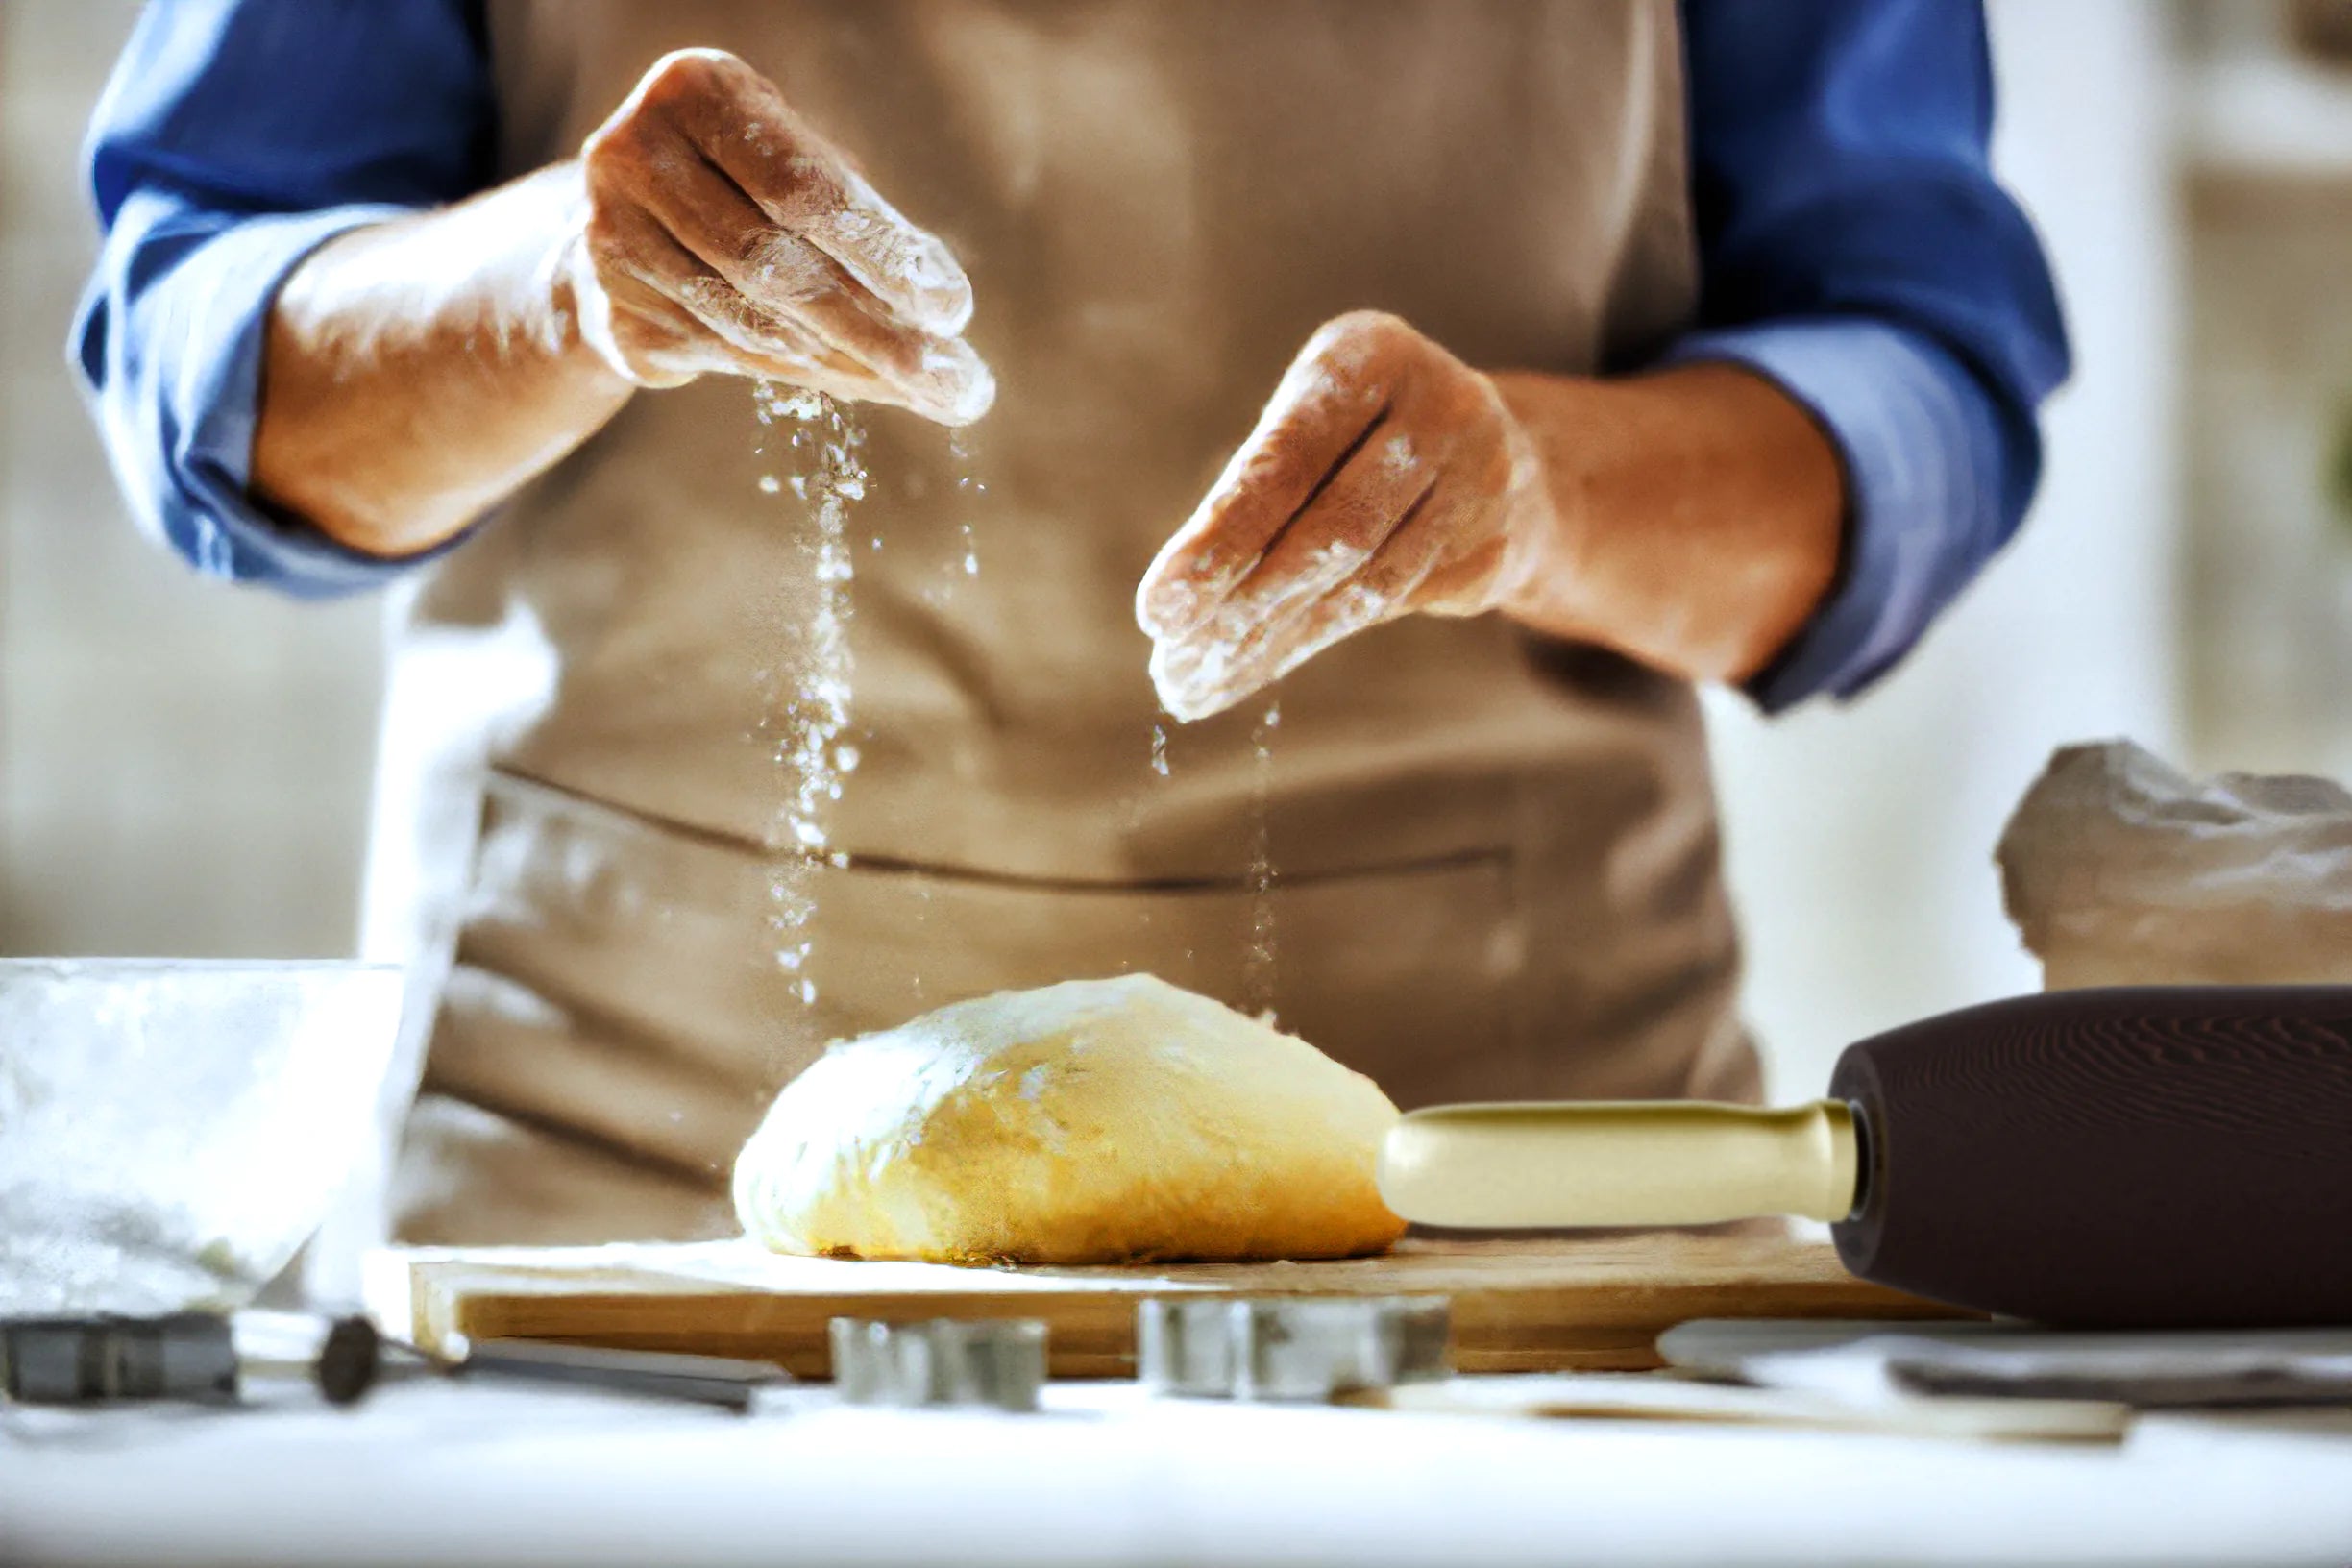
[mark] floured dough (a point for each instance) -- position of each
(1091, 1122)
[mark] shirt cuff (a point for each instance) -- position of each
(217, 321)
(1921, 464)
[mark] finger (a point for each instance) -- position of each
(790, 279)
(1422, 553)
(1209, 672)
(699, 352)
(1428, 461)
(1445, 547)
(942, 375)
(730, 333)
(1444, 559)
(646, 336)
(805, 185)
(1344, 523)
(776, 351)
(710, 216)
(1323, 411)
(644, 254)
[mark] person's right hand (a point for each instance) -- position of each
(718, 233)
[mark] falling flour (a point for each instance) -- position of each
(960, 444)
(814, 755)
(1258, 963)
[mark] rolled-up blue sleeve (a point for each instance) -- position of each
(234, 138)
(1855, 248)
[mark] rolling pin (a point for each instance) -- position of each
(2153, 1157)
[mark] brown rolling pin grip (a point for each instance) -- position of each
(2150, 1156)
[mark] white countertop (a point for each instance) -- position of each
(430, 1474)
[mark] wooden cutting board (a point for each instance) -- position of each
(1519, 1306)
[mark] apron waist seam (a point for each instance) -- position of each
(887, 865)
(881, 865)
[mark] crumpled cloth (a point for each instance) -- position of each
(2118, 869)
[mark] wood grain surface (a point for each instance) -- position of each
(1518, 1306)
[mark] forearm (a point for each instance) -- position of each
(1695, 522)
(417, 372)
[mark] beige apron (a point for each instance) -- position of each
(1493, 859)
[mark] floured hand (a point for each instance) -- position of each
(1385, 477)
(715, 231)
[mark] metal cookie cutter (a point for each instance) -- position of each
(998, 1362)
(1288, 1347)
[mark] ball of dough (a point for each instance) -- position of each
(1092, 1122)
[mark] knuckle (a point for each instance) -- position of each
(1451, 403)
(1362, 348)
(601, 228)
(596, 153)
(636, 334)
(1376, 329)
(753, 248)
(794, 189)
(614, 151)
(1495, 472)
(687, 73)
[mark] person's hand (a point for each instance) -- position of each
(716, 231)
(1385, 477)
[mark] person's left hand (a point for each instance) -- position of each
(1386, 476)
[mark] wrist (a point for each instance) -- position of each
(1547, 577)
(568, 312)
(574, 317)
(1696, 516)
(460, 326)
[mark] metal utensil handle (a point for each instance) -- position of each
(99, 1360)
(200, 1358)
(723, 1382)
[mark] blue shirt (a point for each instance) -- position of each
(1853, 247)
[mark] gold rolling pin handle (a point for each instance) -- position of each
(1619, 1163)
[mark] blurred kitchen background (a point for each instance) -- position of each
(183, 768)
